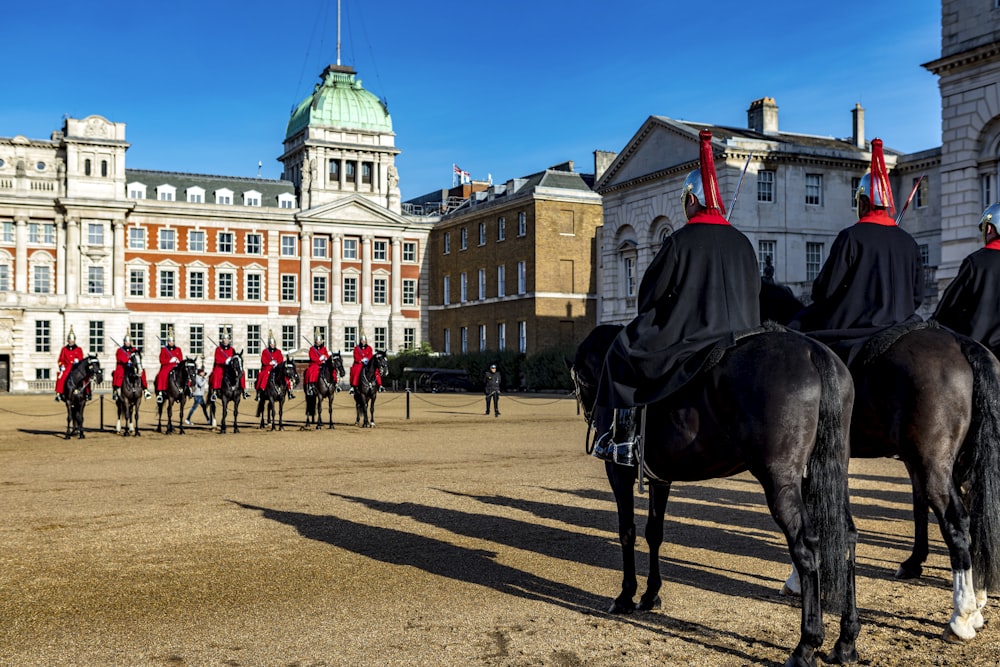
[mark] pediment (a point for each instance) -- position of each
(352, 210)
(660, 144)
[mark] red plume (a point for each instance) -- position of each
(709, 181)
(880, 179)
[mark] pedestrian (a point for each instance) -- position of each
(200, 387)
(492, 382)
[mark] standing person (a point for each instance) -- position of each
(318, 354)
(874, 276)
(698, 292)
(492, 382)
(269, 359)
(363, 354)
(200, 387)
(969, 304)
(122, 358)
(224, 353)
(69, 356)
(170, 356)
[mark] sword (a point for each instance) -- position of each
(739, 184)
(910, 198)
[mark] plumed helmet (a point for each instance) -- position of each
(702, 182)
(364, 339)
(875, 184)
(71, 337)
(224, 338)
(991, 216)
(127, 341)
(270, 339)
(170, 336)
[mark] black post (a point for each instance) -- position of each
(102, 412)
(407, 403)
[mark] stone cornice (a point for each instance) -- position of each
(959, 61)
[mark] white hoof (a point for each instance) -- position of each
(792, 586)
(958, 633)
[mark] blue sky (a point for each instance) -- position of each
(497, 88)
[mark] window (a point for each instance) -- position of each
(447, 341)
(95, 233)
(766, 250)
(43, 336)
(43, 374)
(196, 339)
(814, 189)
(334, 170)
(380, 289)
(136, 282)
(196, 241)
(319, 289)
(463, 238)
(366, 172)
(288, 337)
(251, 198)
(196, 285)
(501, 281)
(166, 328)
(923, 193)
(628, 263)
(409, 338)
(522, 224)
(253, 339)
(502, 336)
(409, 292)
(765, 185)
(482, 284)
(463, 288)
(288, 287)
(43, 282)
(224, 196)
(351, 291)
(447, 243)
(86, 167)
(95, 342)
(522, 337)
(7, 232)
(447, 290)
(350, 250)
(464, 333)
(319, 249)
(288, 245)
(225, 242)
(137, 332)
(409, 251)
(168, 283)
(136, 191)
(482, 337)
(104, 168)
(986, 189)
(286, 200)
(380, 250)
(95, 280)
(380, 338)
(522, 278)
(44, 233)
(855, 184)
(255, 244)
(350, 338)
(136, 238)
(168, 239)
(4, 277)
(482, 233)
(165, 193)
(501, 229)
(225, 285)
(814, 260)
(351, 170)
(253, 281)
(195, 195)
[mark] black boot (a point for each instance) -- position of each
(618, 444)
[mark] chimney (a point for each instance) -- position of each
(602, 160)
(762, 116)
(858, 125)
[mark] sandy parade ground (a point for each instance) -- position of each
(450, 538)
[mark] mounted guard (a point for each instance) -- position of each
(69, 356)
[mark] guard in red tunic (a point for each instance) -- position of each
(170, 356)
(122, 358)
(969, 304)
(318, 354)
(269, 359)
(363, 354)
(70, 355)
(223, 356)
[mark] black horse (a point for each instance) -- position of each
(231, 391)
(330, 371)
(130, 396)
(178, 386)
(367, 389)
(275, 392)
(777, 404)
(931, 397)
(75, 390)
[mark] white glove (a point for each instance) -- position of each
(273, 362)
(228, 359)
(364, 362)
(322, 357)
(61, 368)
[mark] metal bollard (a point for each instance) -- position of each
(102, 412)
(407, 402)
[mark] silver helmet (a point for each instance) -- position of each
(991, 217)
(865, 189)
(694, 185)
(127, 341)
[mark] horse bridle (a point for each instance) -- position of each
(588, 413)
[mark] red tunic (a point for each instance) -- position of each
(222, 355)
(169, 357)
(68, 357)
(317, 355)
(268, 360)
(122, 356)
(360, 355)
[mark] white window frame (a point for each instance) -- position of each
(814, 190)
(251, 198)
(501, 336)
(482, 284)
(289, 244)
(320, 247)
(136, 238)
(224, 197)
(446, 290)
(409, 292)
(320, 283)
(160, 283)
(196, 240)
(162, 237)
(254, 285)
(501, 229)
(197, 282)
(463, 287)
(409, 252)
(482, 337)
(166, 192)
(225, 242)
(522, 224)
(350, 249)
(380, 250)
(95, 234)
(133, 283)
(252, 239)
(225, 285)
(95, 279)
(522, 337)
(289, 288)
(522, 277)
(765, 186)
(380, 291)
(350, 291)
(501, 281)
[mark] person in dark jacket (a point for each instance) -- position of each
(873, 278)
(699, 291)
(969, 304)
(492, 382)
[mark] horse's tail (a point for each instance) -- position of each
(980, 466)
(825, 487)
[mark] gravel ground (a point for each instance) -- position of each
(450, 538)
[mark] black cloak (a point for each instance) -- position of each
(971, 303)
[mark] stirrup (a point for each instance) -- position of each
(159, 398)
(146, 395)
(246, 394)
(114, 396)
(621, 453)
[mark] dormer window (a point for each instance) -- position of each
(224, 196)
(251, 198)
(286, 200)
(196, 195)
(166, 192)
(136, 191)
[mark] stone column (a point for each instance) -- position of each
(396, 296)
(21, 255)
(118, 262)
(305, 286)
(336, 278)
(366, 274)
(72, 260)
(60, 255)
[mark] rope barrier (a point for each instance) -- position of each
(438, 405)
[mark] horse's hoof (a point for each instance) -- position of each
(907, 571)
(951, 637)
(646, 604)
(842, 654)
(621, 607)
(788, 592)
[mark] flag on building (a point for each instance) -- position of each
(462, 177)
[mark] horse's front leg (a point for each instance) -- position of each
(372, 420)
(281, 415)
(170, 415)
(658, 494)
(236, 416)
(80, 422)
(159, 417)
(622, 479)
(329, 409)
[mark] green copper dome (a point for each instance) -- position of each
(340, 101)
